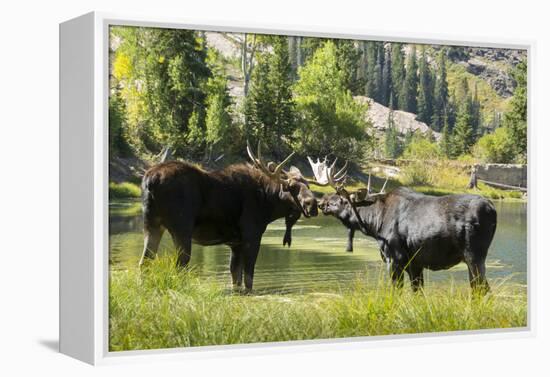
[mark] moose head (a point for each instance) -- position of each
(292, 183)
(334, 204)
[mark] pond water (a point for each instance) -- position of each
(317, 260)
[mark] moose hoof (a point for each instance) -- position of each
(287, 241)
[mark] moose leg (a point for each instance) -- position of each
(236, 266)
(396, 272)
(393, 256)
(251, 250)
(351, 233)
(180, 225)
(397, 276)
(290, 220)
(476, 274)
(151, 243)
(416, 277)
(181, 232)
(183, 248)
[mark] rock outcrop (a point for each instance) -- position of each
(403, 121)
(493, 66)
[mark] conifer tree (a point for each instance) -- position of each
(451, 111)
(279, 86)
(410, 86)
(370, 85)
(463, 91)
(463, 136)
(392, 144)
(446, 138)
(348, 57)
(218, 119)
(397, 74)
(362, 69)
(387, 81)
(516, 118)
(475, 110)
(425, 89)
(269, 107)
(258, 106)
(379, 75)
(441, 94)
(175, 73)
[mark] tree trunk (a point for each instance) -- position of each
(473, 178)
(166, 154)
(247, 60)
(244, 68)
(299, 57)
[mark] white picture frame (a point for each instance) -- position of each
(84, 75)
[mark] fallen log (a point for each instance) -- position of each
(503, 186)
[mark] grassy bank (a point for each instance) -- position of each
(162, 307)
(483, 190)
(440, 177)
(443, 178)
(124, 190)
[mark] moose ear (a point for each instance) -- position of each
(293, 187)
(289, 185)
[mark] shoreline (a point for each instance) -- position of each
(128, 190)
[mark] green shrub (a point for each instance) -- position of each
(421, 148)
(124, 190)
(497, 147)
(416, 174)
(436, 173)
(516, 194)
(331, 120)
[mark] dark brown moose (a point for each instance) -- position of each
(231, 206)
(416, 231)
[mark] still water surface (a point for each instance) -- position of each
(317, 260)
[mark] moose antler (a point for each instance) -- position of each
(324, 174)
(269, 169)
(382, 191)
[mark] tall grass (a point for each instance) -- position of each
(162, 307)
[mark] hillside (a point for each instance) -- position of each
(185, 90)
(492, 65)
(486, 69)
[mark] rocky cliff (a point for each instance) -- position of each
(493, 65)
(404, 122)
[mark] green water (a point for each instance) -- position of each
(317, 260)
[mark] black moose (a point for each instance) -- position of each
(417, 231)
(231, 206)
(350, 223)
